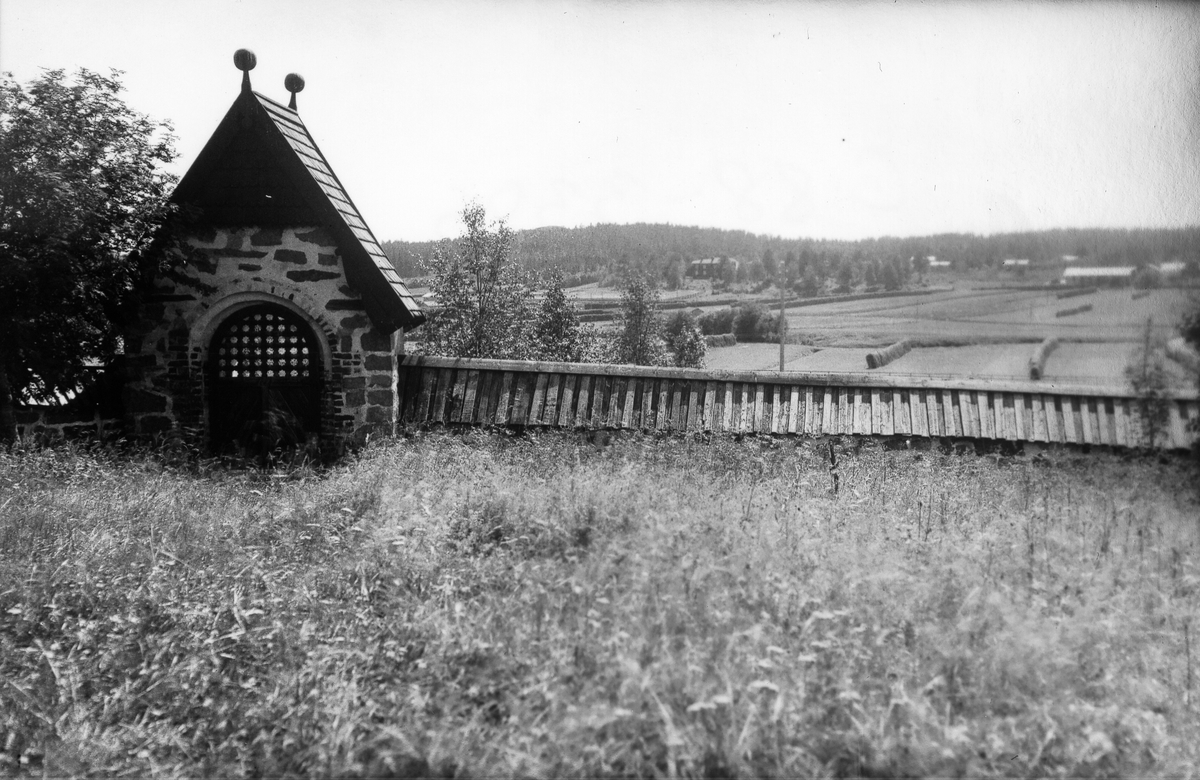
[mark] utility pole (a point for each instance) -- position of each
(782, 322)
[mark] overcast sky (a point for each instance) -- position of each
(794, 119)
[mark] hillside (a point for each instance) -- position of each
(606, 248)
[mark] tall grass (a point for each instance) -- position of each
(496, 606)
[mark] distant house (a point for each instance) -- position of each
(1069, 258)
(712, 267)
(935, 263)
(1113, 275)
(1173, 268)
(1016, 265)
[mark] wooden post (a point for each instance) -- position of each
(782, 325)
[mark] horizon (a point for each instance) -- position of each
(849, 122)
(1117, 228)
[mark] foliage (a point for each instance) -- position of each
(81, 193)
(484, 307)
(685, 340)
(714, 323)
(755, 323)
(1189, 328)
(490, 606)
(1146, 278)
(558, 334)
(612, 250)
(639, 330)
(1148, 379)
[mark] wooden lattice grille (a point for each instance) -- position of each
(265, 344)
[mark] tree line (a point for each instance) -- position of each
(608, 252)
(484, 304)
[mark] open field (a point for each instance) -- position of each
(996, 315)
(497, 606)
(996, 333)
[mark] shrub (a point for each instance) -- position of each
(755, 323)
(717, 322)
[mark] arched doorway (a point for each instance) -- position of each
(265, 372)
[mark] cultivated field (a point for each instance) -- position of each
(496, 606)
(981, 333)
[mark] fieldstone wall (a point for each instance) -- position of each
(93, 413)
(166, 387)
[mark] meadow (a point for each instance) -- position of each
(492, 605)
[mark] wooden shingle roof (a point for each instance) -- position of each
(262, 168)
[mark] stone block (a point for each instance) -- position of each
(154, 423)
(379, 414)
(354, 382)
(249, 267)
(291, 256)
(311, 276)
(318, 236)
(267, 237)
(381, 397)
(379, 380)
(141, 401)
(375, 341)
(244, 254)
(341, 304)
(327, 259)
(356, 322)
(234, 240)
(377, 362)
(355, 398)
(27, 415)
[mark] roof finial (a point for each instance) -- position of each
(245, 61)
(293, 83)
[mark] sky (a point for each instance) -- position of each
(797, 119)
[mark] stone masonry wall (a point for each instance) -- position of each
(300, 268)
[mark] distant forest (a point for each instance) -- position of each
(601, 252)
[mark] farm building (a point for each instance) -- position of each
(277, 323)
(1115, 275)
(712, 267)
(1013, 264)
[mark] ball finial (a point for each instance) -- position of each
(244, 59)
(293, 83)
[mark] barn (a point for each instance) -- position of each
(278, 320)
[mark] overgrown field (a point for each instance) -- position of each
(495, 606)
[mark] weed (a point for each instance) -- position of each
(538, 606)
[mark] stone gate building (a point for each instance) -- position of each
(279, 323)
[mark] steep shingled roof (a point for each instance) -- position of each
(262, 168)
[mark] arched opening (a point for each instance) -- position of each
(265, 380)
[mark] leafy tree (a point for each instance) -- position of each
(82, 193)
(871, 274)
(685, 340)
(717, 322)
(845, 277)
(688, 347)
(1148, 379)
(920, 265)
(558, 333)
(482, 297)
(639, 330)
(890, 277)
(675, 274)
(770, 264)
